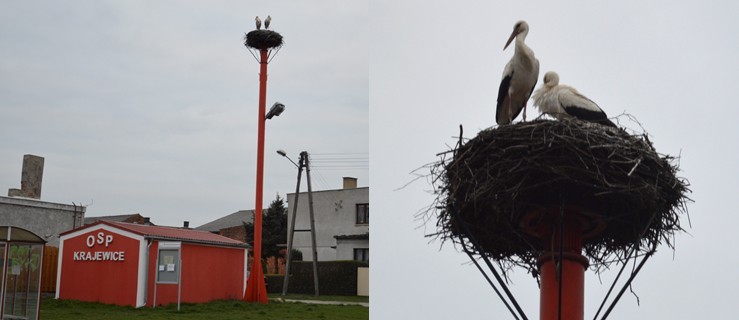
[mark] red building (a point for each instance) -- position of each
(141, 265)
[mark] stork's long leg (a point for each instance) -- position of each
(524, 111)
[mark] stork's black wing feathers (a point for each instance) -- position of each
(505, 84)
(589, 115)
(579, 106)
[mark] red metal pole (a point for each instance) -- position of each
(573, 276)
(256, 291)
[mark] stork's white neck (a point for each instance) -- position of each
(523, 52)
(521, 41)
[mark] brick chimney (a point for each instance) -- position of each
(31, 177)
(350, 183)
(186, 225)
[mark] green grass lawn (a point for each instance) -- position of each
(221, 310)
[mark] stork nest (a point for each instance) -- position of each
(498, 179)
(263, 39)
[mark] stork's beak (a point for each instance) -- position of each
(513, 36)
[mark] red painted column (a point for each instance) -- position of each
(256, 291)
(573, 266)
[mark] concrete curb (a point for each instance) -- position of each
(346, 303)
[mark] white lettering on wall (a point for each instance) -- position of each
(99, 256)
(102, 238)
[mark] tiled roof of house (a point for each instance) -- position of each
(235, 219)
(172, 233)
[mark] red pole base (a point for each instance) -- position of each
(256, 290)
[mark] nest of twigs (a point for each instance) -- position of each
(496, 179)
(263, 39)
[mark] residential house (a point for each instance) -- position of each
(341, 222)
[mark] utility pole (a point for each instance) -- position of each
(291, 232)
(302, 163)
(312, 221)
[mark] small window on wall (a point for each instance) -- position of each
(361, 255)
(363, 213)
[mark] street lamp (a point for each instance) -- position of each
(275, 111)
(284, 154)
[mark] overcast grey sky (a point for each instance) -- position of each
(436, 65)
(151, 106)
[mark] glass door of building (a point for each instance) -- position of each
(22, 280)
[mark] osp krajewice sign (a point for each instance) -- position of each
(99, 240)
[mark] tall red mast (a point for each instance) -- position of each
(256, 291)
(264, 41)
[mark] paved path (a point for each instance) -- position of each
(364, 304)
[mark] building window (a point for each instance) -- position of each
(361, 255)
(363, 213)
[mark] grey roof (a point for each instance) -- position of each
(358, 189)
(235, 219)
(117, 218)
(364, 236)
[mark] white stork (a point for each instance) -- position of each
(259, 22)
(519, 77)
(564, 102)
(267, 21)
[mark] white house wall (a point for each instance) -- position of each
(345, 248)
(335, 214)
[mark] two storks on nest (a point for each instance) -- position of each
(519, 79)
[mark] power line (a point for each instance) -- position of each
(342, 160)
(338, 153)
(343, 166)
